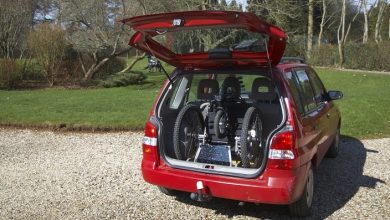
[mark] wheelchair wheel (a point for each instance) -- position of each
(189, 124)
(251, 138)
(220, 124)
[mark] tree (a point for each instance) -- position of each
(15, 20)
(365, 33)
(342, 33)
(310, 24)
(92, 29)
(48, 44)
(290, 15)
(323, 20)
(378, 25)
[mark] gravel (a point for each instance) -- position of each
(82, 175)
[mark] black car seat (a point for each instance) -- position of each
(266, 99)
(235, 107)
(207, 89)
(231, 89)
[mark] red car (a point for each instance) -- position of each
(230, 121)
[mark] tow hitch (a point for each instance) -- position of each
(201, 195)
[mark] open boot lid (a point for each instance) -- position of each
(154, 34)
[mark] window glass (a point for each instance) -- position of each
(245, 80)
(307, 91)
(179, 92)
(294, 87)
(319, 91)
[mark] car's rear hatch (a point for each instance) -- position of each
(156, 33)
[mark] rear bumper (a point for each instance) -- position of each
(273, 186)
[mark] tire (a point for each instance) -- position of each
(251, 156)
(302, 207)
(169, 192)
(220, 124)
(189, 123)
(334, 148)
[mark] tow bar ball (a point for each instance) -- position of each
(201, 195)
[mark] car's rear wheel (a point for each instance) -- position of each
(302, 207)
(251, 138)
(334, 148)
(189, 124)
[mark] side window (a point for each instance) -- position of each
(318, 88)
(179, 92)
(294, 86)
(309, 102)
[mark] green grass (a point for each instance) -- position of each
(366, 103)
(116, 108)
(365, 106)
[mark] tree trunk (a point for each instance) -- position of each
(322, 22)
(341, 55)
(310, 29)
(100, 63)
(365, 33)
(95, 68)
(341, 34)
(129, 67)
(378, 24)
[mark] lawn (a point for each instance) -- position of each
(123, 108)
(364, 106)
(366, 103)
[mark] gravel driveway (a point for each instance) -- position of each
(80, 175)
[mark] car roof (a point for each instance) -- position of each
(286, 66)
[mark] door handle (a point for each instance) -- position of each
(328, 115)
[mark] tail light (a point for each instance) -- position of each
(149, 142)
(283, 150)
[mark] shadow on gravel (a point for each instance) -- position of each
(336, 182)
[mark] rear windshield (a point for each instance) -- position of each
(208, 87)
(204, 40)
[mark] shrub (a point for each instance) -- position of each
(113, 66)
(124, 79)
(370, 56)
(30, 70)
(325, 55)
(10, 77)
(296, 46)
(48, 45)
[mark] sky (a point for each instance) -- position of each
(242, 2)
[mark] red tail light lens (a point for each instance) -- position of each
(149, 142)
(283, 151)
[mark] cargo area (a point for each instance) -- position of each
(219, 122)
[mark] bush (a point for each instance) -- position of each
(113, 66)
(10, 77)
(370, 56)
(326, 55)
(296, 46)
(47, 43)
(30, 70)
(124, 79)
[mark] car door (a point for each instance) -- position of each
(331, 119)
(312, 118)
